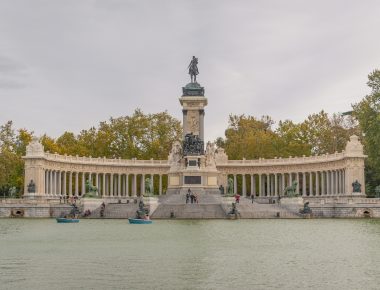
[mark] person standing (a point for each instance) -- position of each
(252, 197)
(237, 198)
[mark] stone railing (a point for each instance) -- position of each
(103, 160)
(286, 161)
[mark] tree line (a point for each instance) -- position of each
(145, 136)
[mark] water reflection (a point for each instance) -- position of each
(245, 254)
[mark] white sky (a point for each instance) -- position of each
(67, 65)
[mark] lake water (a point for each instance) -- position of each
(217, 254)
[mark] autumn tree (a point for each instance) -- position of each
(367, 113)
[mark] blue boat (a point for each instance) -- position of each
(67, 220)
(139, 221)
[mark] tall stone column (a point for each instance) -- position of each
(260, 185)
(83, 183)
(112, 193)
(252, 185)
(275, 184)
(59, 183)
(71, 183)
(160, 185)
(134, 193)
(311, 193)
(322, 183)
(244, 186)
(303, 183)
(104, 184)
(142, 184)
(328, 183)
(97, 183)
(235, 184)
(118, 185)
(290, 178)
(283, 182)
(317, 183)
(64, 183)
(298, 183)
(268, 184)
(336, 181)
(127, 184)
(51, 187)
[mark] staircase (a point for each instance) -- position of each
(209, 206)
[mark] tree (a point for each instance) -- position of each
(367, 112)
(12, 148)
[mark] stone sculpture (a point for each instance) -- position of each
(210, 154)
(290, 191)
(31, 187)
(193, 69)
(356, 186)
(175, 154)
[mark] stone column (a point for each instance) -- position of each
(275, 184)
(104, 184)
(311, 184)
(336, 181)
(244, 186)
(111, 185)
(260, 185)
(59, 183)
(283, 182)
(290, 179)
(317, 183)
(97, 183)
(71, 183)
(160, 185)
(64, 183)
(152, 182)
(303, 183)
(298, 183)
(235, 184)
(268, 184)
(134, 184)
(142, 184)
(328, 183)
(83, 183)
(254, 184)
(322, 183)
(127, 184)
(51, 183)
(119, 184)
(251, 192)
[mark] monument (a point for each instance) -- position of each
(191, 166)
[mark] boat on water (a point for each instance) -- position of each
(67, 220)
(139, 221)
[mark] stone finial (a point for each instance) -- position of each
(220, 156)
(354, 147)
(34, 148)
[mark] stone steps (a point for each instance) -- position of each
(189, 211)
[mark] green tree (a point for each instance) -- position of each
(367, 112)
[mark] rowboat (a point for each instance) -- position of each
(139, 221)
(67, 220)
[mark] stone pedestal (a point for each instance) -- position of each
(291, 201)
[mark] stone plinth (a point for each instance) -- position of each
(291, 201)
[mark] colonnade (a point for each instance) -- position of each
(310, 183)
(73, 183)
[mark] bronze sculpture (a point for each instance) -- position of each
(193, 69)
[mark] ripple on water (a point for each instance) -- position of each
(220, 254)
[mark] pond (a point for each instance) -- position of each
(199, 254)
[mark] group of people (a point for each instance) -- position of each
(191, 197)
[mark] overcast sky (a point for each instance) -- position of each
(67, 65)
